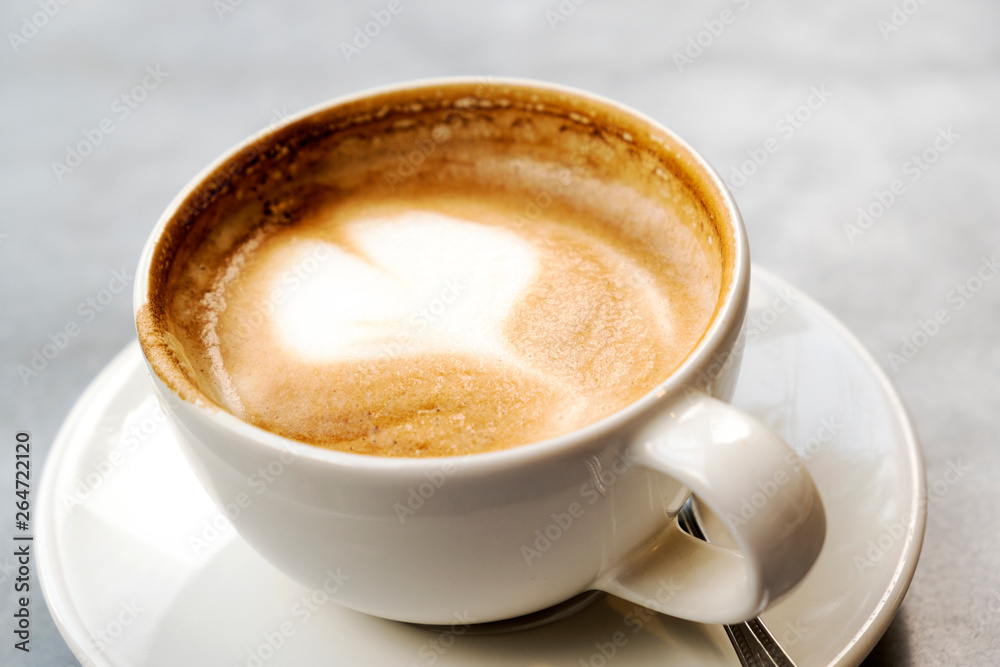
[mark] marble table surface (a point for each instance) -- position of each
(858, 97)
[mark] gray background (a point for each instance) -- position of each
(230, 73)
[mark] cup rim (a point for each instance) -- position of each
(726, 316)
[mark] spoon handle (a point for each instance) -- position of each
(754, 644)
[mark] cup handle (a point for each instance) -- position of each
(750, 478)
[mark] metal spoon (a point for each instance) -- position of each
(755, 646)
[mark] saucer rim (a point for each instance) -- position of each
(60, 609)
(855, 652)
(861, 643)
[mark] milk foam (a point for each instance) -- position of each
(534, 274)
(416, 282)
(446, 328)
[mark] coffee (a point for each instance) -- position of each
(458, 274)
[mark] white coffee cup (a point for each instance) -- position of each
(497, 535)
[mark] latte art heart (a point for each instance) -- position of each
(421, 282)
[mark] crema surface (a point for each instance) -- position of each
(515, 283)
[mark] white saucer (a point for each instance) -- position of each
(126, 587)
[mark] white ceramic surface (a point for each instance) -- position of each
(143, 571)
